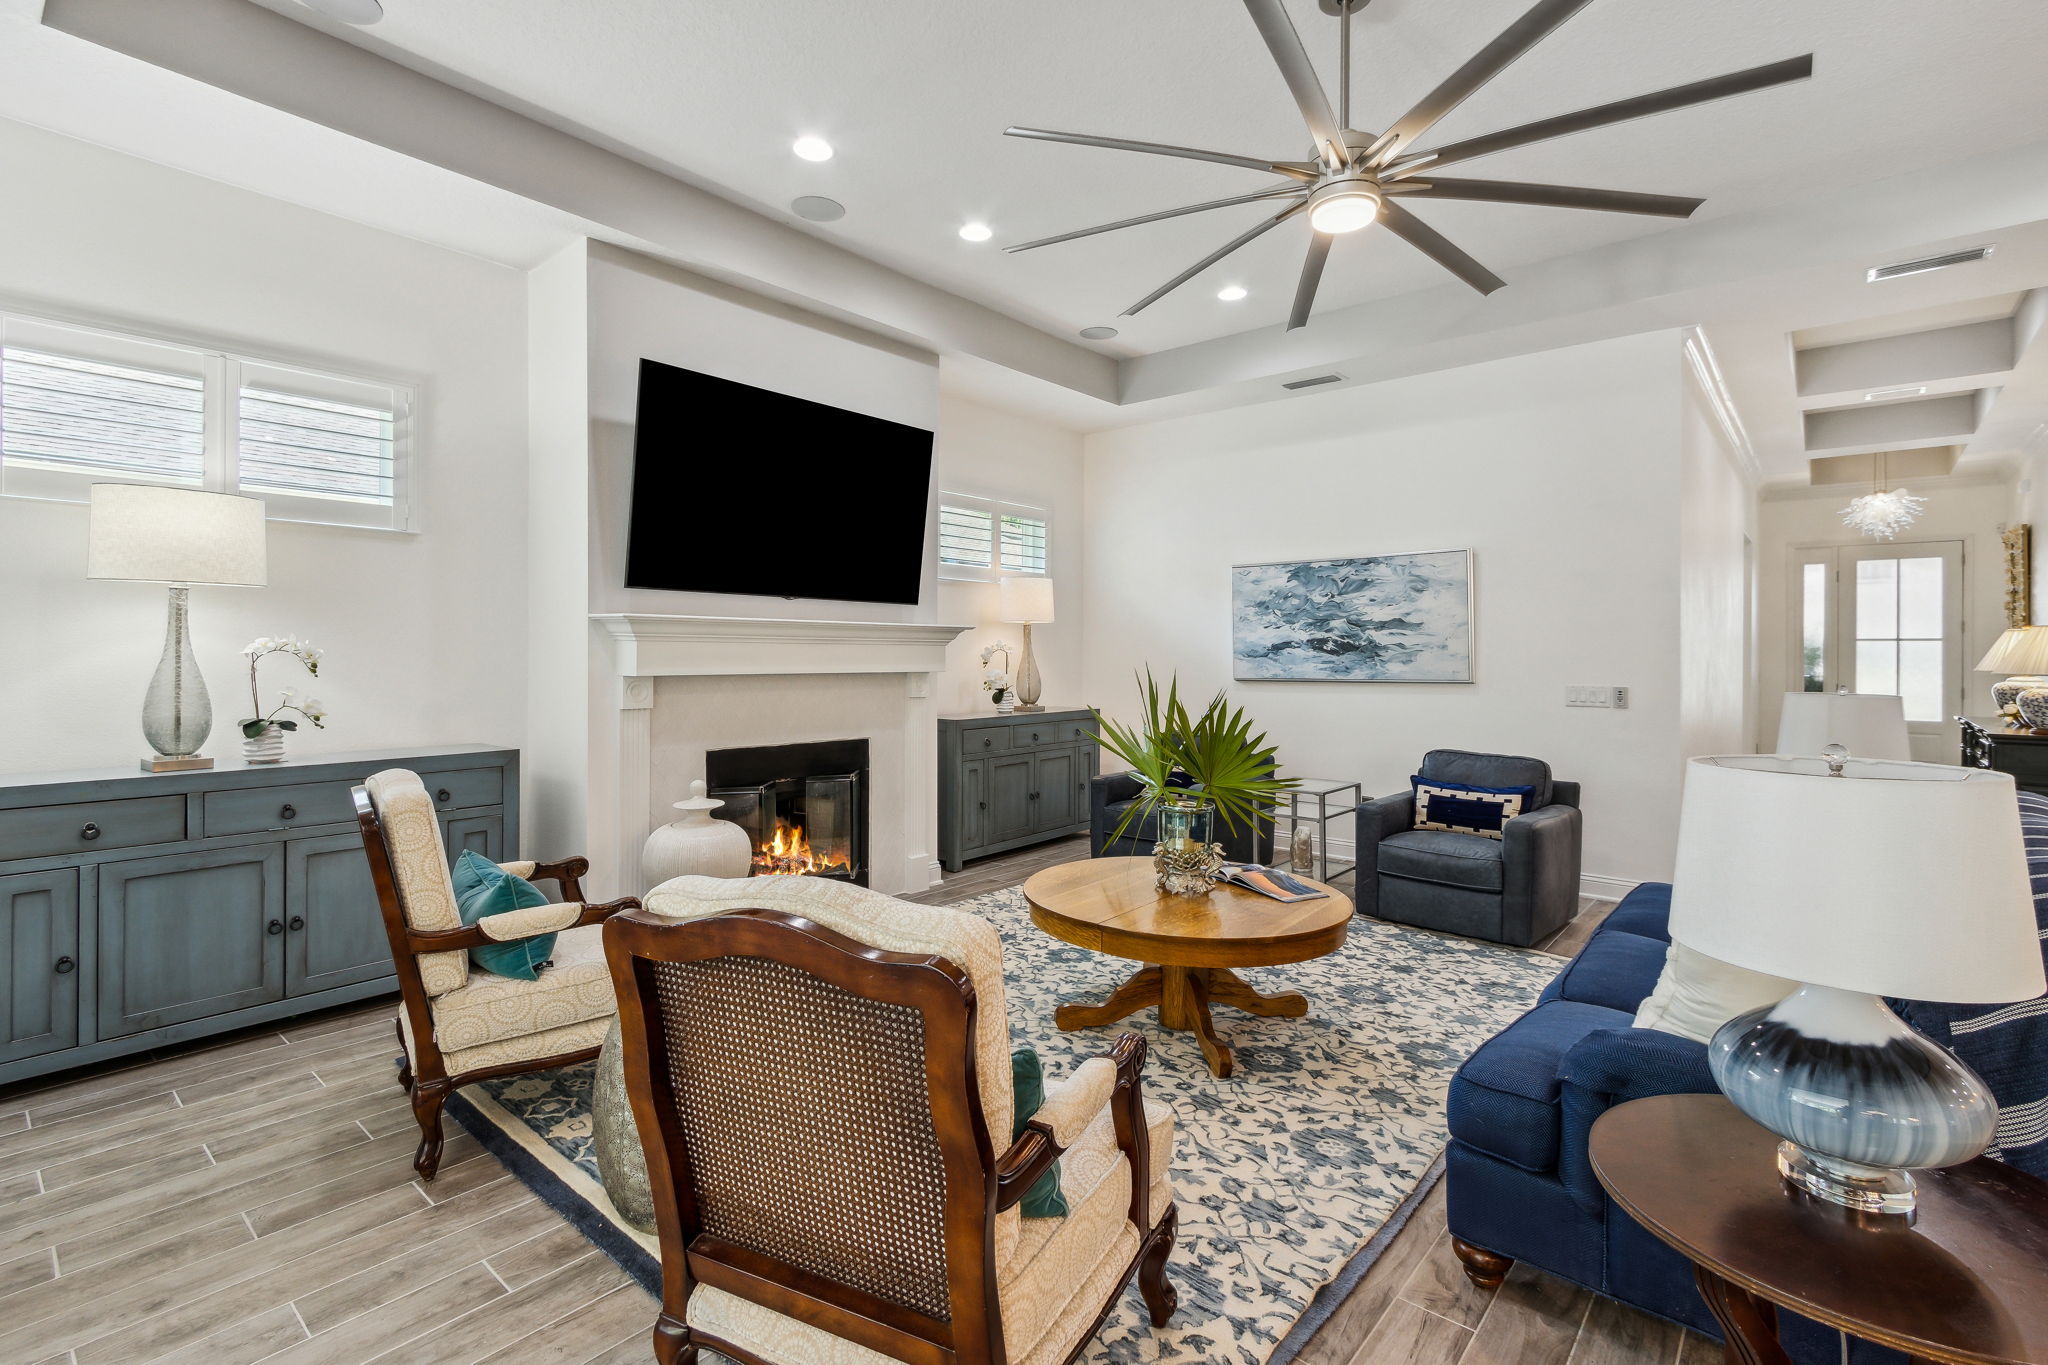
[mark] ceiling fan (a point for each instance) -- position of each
(1352, 179)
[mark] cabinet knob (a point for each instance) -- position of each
(65, 966)
(290, 812)
(988, 744)
(441, 795)
(276, 926)
(298, 923)
(91, 831)
(981, 805)
(1034, 736)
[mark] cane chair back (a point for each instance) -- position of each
(822, 1150)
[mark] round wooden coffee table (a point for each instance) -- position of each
(1961, 1283)
(1190, 943)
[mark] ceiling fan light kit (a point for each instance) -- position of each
(1348, 180)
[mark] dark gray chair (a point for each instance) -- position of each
(1519, 888)
(1111, 794)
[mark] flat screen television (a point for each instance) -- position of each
(744, 490)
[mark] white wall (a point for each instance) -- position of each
(1716, 529)
(1973, 511)
(986, 451)
(425, 633)
(1561, 470)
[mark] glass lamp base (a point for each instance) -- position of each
(1867, 1189)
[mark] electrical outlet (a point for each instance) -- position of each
(1606, 698)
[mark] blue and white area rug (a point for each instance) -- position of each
(1291, 1175)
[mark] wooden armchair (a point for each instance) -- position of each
(459, 1023)
(821, 1078)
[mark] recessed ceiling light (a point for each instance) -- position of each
(1231, 293)
(976, 232)
(818, 208)
(1098, 333)
(812, 148)
(1903, 391)
(349, 11)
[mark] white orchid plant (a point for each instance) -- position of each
(996, 680)
(309, 707)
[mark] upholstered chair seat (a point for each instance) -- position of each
(1053, 1278)
(457, 1022)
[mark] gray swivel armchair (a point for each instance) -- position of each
(1518, 889)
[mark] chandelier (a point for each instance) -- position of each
(1882, 513)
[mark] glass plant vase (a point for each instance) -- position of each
(1186, 860)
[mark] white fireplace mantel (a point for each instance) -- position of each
(702, 646)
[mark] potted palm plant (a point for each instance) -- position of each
(1193, 769)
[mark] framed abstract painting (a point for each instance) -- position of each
(1377, 618)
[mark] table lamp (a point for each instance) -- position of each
(183, 537)
(1861, 879)
(1868, 725)
(2022, 654)
(1027, 601)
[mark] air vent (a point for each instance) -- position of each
(1903, 391)
(1312, 383)
(1927, 263)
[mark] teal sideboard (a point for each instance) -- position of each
(1010, 781)
(145, 909)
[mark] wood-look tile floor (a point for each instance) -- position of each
(251, 1199)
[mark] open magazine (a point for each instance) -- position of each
(1270, 881)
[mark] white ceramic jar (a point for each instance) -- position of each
(696, 844)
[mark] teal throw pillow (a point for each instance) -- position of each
(483, 888)
(1027, 1080)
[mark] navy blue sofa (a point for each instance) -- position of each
(1518, 1184)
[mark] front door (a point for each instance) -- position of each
(1887, 618)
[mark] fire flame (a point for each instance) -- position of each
(788, 854)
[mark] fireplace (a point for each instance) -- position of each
(804, 806)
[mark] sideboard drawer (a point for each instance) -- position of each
(47, 831)
(1033, 735)
(468, 787)
(976, 740)
(250, 809)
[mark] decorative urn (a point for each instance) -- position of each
(696, 844)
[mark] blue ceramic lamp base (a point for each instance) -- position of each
(1859, 1097)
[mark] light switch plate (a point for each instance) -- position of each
(1606, 698)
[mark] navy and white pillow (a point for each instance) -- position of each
(1464, 809)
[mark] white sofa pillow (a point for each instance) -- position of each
(1696, 994)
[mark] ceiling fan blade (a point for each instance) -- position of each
(1487, 63)
(1621, 111)
(1284, 191)
(1437, 247)
(1558, 196)
(1199, 266)
(1311, 278)
(1120, 144)
(1296, 69)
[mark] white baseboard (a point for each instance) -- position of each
(1591, 885)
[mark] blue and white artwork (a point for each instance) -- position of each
(1380, 618)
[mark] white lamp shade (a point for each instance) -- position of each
(2019, 651)
(1866, 724)
(1027, 600)
(149, 533)
(1900, 879)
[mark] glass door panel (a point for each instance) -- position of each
(1901, 605)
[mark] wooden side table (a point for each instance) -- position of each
(1966, 1281)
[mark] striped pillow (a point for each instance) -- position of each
(2006, 1044)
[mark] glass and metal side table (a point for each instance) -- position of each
(1319, 800)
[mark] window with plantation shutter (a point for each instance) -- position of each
(80, 406)
(982, 539)
(1023, 544)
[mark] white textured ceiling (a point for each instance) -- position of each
(915, 93)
